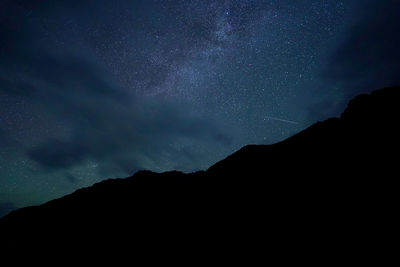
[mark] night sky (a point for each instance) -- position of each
(94, 89)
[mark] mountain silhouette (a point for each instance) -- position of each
(324, 195)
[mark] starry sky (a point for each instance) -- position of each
(93, 89)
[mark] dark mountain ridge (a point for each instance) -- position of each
(327, 192)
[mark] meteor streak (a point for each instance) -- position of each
(282, 120)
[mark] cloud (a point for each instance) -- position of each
(71, 178)
(101, 119)
(369, 58)
(366, 59)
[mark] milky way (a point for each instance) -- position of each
(97, 89)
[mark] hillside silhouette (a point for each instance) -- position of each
(326, 194)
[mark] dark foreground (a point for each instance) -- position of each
(326, 195)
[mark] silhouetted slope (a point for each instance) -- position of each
(328, 192)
